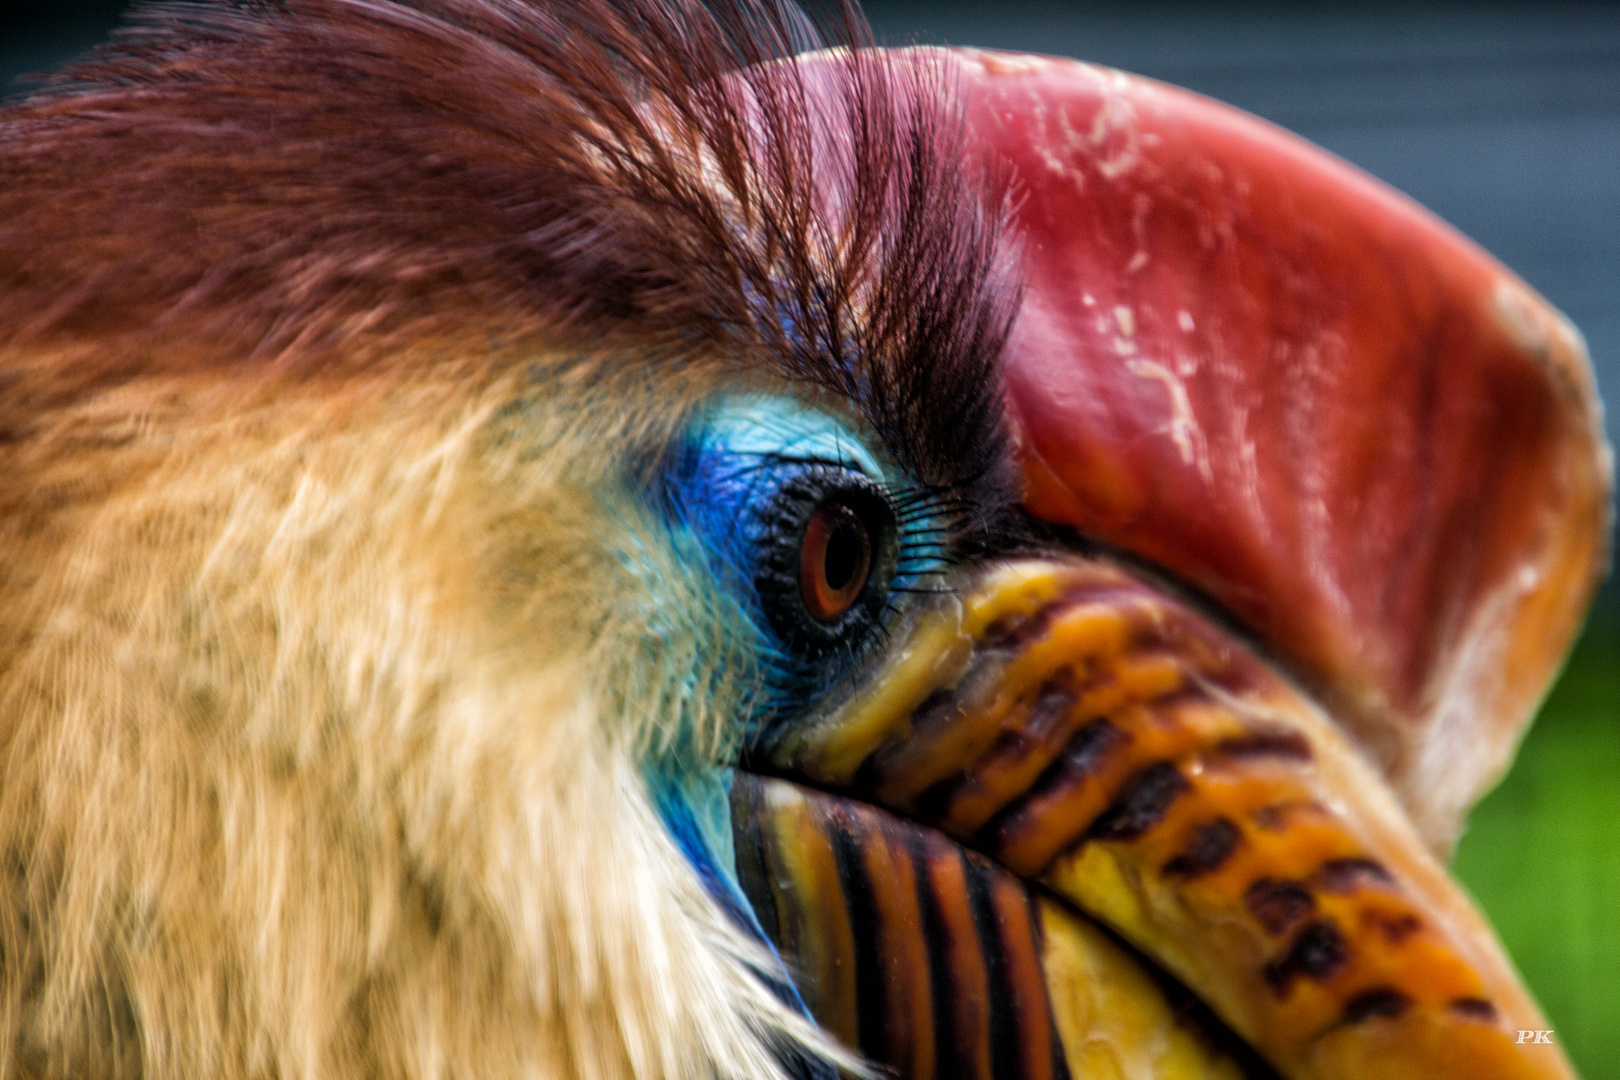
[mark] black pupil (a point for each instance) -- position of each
(843, 554)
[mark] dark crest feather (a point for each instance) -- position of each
(279, 181)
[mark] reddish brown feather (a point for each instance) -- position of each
(303, 183)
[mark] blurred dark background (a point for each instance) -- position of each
(1503, 118)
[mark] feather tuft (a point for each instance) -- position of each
(312, 182)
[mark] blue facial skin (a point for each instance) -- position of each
(735, 457)
(734, 460)
(696, 810)
(722, 480)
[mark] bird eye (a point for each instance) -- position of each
(835, 558)
(826, 559)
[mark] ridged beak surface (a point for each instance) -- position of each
(1099, 751)
(1071, 825)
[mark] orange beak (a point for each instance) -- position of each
(1070, 795)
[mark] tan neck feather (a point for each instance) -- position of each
(307, 769)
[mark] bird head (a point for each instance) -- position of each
(590, 540)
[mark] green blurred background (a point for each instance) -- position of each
(1502, 117)
(1542, 852)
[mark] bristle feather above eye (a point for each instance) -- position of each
(340, 193)
(311, 180)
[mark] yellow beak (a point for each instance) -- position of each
(1071, 825)
(1059, 747)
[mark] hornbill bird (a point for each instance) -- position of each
(643, 538)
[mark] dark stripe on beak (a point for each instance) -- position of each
(1099, 739)
(940, 947)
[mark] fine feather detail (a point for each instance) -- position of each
(291, 181)
(329, 333)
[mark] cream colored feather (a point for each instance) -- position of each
(319, 755)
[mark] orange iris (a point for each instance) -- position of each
(834, 559)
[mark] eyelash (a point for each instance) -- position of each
(721, 495)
